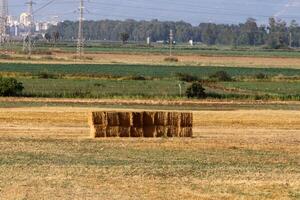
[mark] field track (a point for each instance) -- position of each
(144, 102)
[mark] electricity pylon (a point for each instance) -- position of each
(171, 38)
(80, 40)
(3, 21)
(27, 44)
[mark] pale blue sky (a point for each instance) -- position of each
(193, 11)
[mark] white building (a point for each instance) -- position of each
(25, 19)
(42, 26)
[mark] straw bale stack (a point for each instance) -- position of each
(124, 131)
(160, 118)
(136, 132)
(113, 119)
(137, 119)
(141, 124)
(98, 118)
(186, 120)
(98, 131)
(125, 119)
(174, 119)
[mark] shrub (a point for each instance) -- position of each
(138, 78)
(46, 75)
(4, 56)
(10, 87)
(260, 76)
(171, 59)
(221, 76)
(196, 91)
(187, 77)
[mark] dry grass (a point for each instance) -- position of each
(197, 60)
(45, 153)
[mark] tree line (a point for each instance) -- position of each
(277, 34)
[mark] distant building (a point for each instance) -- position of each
(25, 19)
(42, 26)
(148, 41)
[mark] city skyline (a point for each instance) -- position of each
(217, 11)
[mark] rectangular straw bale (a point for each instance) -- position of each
(161, 131)
(173, 131)
(113, 119)
(125, 119)
(160, 118)
(112, 131)
(98, 118)
(137, 119)
(124, 131)
(136, 132)
(149, 131)
(173, 119)
(148, 119)
(98, 131)
(186, 120)
(186, 132)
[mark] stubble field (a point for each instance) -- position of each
(46, 153)
(157, 59)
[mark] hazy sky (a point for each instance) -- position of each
(193, 11)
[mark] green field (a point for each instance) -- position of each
(272, 88)
(138, 70)
(100, 88)
(180, 49)
(121, 81)
(159, 89)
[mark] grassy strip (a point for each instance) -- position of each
(206, 106)
(164, 49)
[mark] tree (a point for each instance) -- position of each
(196, 91)
(249, 33)
(124, 37)
(10, 87)
(210, 33)
(278, 36)
(55, 36)
(221, 76)
(47, 37)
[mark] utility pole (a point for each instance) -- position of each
(171, 37)
(27, 45)
(290, 40)
(80, 41)
(3, 21)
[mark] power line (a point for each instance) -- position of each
(80, 42)
(3, 21)
(27, 44)
(44, 6)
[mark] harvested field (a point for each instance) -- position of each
(197, 60)
(46, 153)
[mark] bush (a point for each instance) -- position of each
(46, 75)
(171, 59)
(4, 56)
(10, 87)
(221, 76)
(187, 77)
(138, 78)
(260, 76)
(196, 91)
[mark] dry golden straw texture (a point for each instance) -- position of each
(141, 124)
